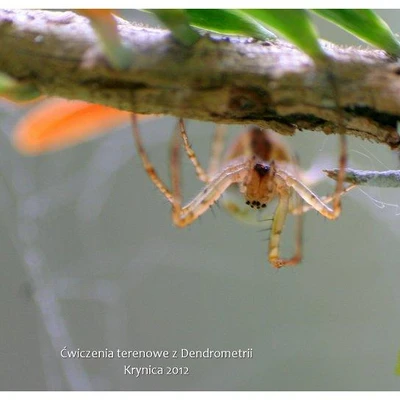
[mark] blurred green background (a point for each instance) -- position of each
(90, 260)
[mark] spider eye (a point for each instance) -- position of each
(261, 169)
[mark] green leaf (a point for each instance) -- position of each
(6, 82)
(105, 26)
(366, 25)
(177, 22)
(231, 22)
(17, 91)
(23, 93)
(296, 26)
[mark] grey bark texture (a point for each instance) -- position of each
(383, 179)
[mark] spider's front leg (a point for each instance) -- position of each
(276, 231)
(185, 215)
(325, 199)
(315, 202)
(215, 156)
(215, 187)
(311, 198)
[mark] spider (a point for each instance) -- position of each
(259, 168)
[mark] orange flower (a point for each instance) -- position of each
(59, 123)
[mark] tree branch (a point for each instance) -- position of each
(225, 80)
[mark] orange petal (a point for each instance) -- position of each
(59, 123)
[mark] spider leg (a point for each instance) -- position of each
(147, 165)
(296, 210)
(282, 209)
(175, 168)
(299, 234)
(276, 231)
(233, 173)
(308, 196)
(201, 173)
(217, 148)
(182, 216)
(299, 218)
(336, 202)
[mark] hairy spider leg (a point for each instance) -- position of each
(276, 231)
(185, 215)
(298, 255)
(147, 165)
(308, 196)
(217, 148)
(295, 210)
(336, 203)
(175, 167)
(200, 172)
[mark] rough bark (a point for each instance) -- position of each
(225, 80)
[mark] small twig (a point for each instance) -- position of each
(382, 179)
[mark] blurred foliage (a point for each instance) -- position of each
(14, 90)
(366, 25)
(294, 25)
(231, 22)
(106, 28)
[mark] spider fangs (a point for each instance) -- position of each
(259, 168)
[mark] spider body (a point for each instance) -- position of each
(257, 169)
(260, 186)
